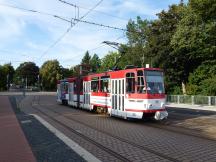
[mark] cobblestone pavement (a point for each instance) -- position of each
(44, 144)
(123, 136)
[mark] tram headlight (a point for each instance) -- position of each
(162, 105)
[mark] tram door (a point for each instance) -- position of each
(117, 93)
(86, 94)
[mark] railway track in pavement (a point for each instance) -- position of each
(155, 124)
(187, 145)
(117, 155)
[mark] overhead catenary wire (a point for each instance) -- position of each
(68, 30)
(85, 8)
(69, 21)
(26, 10)
(65, 19)
(55, 16)
(49, 14)
(92, 23)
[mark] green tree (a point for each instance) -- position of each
(3, 80)
(50, 72)
(66, 72)
(108, 61)
(194, 41)
(28, 71)
(203, 79)
(75, 70)
(95, 63)
(6, 74)
(135, 49)
(86, 59)
(204, 8)
(159, 49)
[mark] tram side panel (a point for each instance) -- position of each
(100, 92)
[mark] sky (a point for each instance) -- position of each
(39, 36)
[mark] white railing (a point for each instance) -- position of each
(193, 100)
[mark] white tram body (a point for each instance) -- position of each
(130, 93)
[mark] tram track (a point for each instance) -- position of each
(179, 129)
(109, 151)
(158, 125)
(109, 134)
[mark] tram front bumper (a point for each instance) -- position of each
(160, 115)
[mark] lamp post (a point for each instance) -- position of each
(39, 82)
(26, 80)
(23, 86)
(7, 84)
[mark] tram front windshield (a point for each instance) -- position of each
(154, 82)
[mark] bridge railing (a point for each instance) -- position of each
(193, 100)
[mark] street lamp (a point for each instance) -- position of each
(38, 82)
(7, 82)
(23, 86)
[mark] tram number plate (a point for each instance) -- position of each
(156, 101)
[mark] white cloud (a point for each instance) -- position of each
(16, 28)
(10, 28)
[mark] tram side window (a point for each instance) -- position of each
(95, 84)
(130, 83)
(64, 87)
(105, 84)
(140, 82)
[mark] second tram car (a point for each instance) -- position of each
(130, 93)
(62, 91)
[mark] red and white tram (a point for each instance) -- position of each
(130, 93)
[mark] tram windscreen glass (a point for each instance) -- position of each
(64, 87)
(154, 82)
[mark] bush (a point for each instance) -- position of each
(203, 80)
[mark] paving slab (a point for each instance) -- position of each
(13, 144)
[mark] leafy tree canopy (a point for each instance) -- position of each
(108, 62)
(28, 70)
(6, 75)
(86, 59)
(50, 72)
(203, 79)
(95, 63)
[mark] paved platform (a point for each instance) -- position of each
(13, 144)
